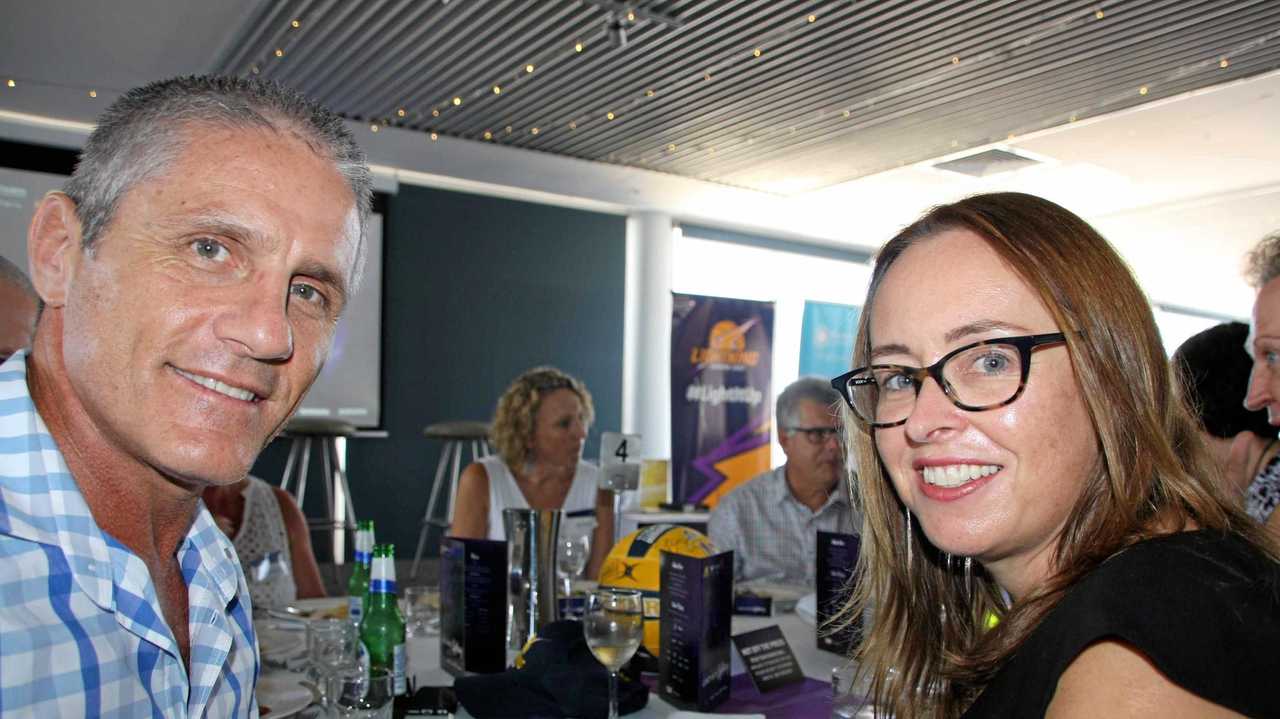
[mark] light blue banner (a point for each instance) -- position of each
(826, 338)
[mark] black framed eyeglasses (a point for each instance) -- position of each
(815, 435)
(979, 376)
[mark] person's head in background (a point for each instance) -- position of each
(1214, 368)
(809, 432)
(21, 305)
(1262, 270)
(543, 417)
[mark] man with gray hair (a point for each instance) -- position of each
(771, 521)
(20, 303)
(192, 274)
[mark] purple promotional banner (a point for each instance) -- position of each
(721, 367)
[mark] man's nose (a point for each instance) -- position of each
(257, 323)
(1259, 393)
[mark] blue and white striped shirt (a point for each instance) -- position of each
(81, 628)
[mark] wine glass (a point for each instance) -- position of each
(571, 559)
(614, 625)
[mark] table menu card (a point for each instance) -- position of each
(768, 658)
(697, 605)
(837, 557)
(473, 606)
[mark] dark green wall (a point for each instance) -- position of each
(476, 290)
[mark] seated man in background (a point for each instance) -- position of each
(1214, 368)
(771, 521)
(192, 274)
(20, 303)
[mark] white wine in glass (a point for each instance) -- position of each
(614, 626)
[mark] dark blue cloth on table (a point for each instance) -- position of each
(560, 678)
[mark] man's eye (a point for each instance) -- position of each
(210, 249)
(1271, 357)
(306, 293)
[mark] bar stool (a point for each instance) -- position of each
(305, 432)
(456, 436)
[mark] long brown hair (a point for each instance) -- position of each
(929, 651)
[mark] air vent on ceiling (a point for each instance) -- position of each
(988, 162)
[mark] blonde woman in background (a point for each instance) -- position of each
(1025, 456)
(539, 430)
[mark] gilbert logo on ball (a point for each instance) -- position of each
(633, 563)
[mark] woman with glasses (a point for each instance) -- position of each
(1044, 531)
(539, 430)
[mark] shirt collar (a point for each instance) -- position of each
(41, 502)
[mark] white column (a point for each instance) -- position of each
(646, 346)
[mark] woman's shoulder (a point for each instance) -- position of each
(1202, 606)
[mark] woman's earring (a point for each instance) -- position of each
(908, 511)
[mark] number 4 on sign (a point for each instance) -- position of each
(618, 448)
(619, 461)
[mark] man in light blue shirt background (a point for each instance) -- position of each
(771, 522)
(192, 273)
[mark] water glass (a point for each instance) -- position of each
(849, 694)
(361, 696)
(571, 559)
(334, 646)
(421, 609)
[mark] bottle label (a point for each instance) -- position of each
(355, 608)
(382, 586)
(398, 670)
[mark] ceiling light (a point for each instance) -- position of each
(813, 18)
(488, 135)
(577, 47)
(400, 112)
(608, 116)
(497, 89)
(434, 137)
(457, 101)
(296, 24)
(93, 93)
(533, 131)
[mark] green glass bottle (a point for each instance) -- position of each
(358, 585)
(382, 629)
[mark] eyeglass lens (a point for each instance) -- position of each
(984, 376)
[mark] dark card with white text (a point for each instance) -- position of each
(768, 658)
(697, 606)
(473, 606)
(837, 557)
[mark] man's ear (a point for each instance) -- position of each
(53, 247)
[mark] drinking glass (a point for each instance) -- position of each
(335, 652)
(421, 609)
(613, 623)
(571, 559)
(364, 697)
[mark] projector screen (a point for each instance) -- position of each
(349, 386)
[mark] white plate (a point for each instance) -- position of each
(334, 607)
(278, 641)
(807, 609)
(283, 694)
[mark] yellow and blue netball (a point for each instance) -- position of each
(634, 563)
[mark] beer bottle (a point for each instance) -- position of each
(382, 629)
(358, 585)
